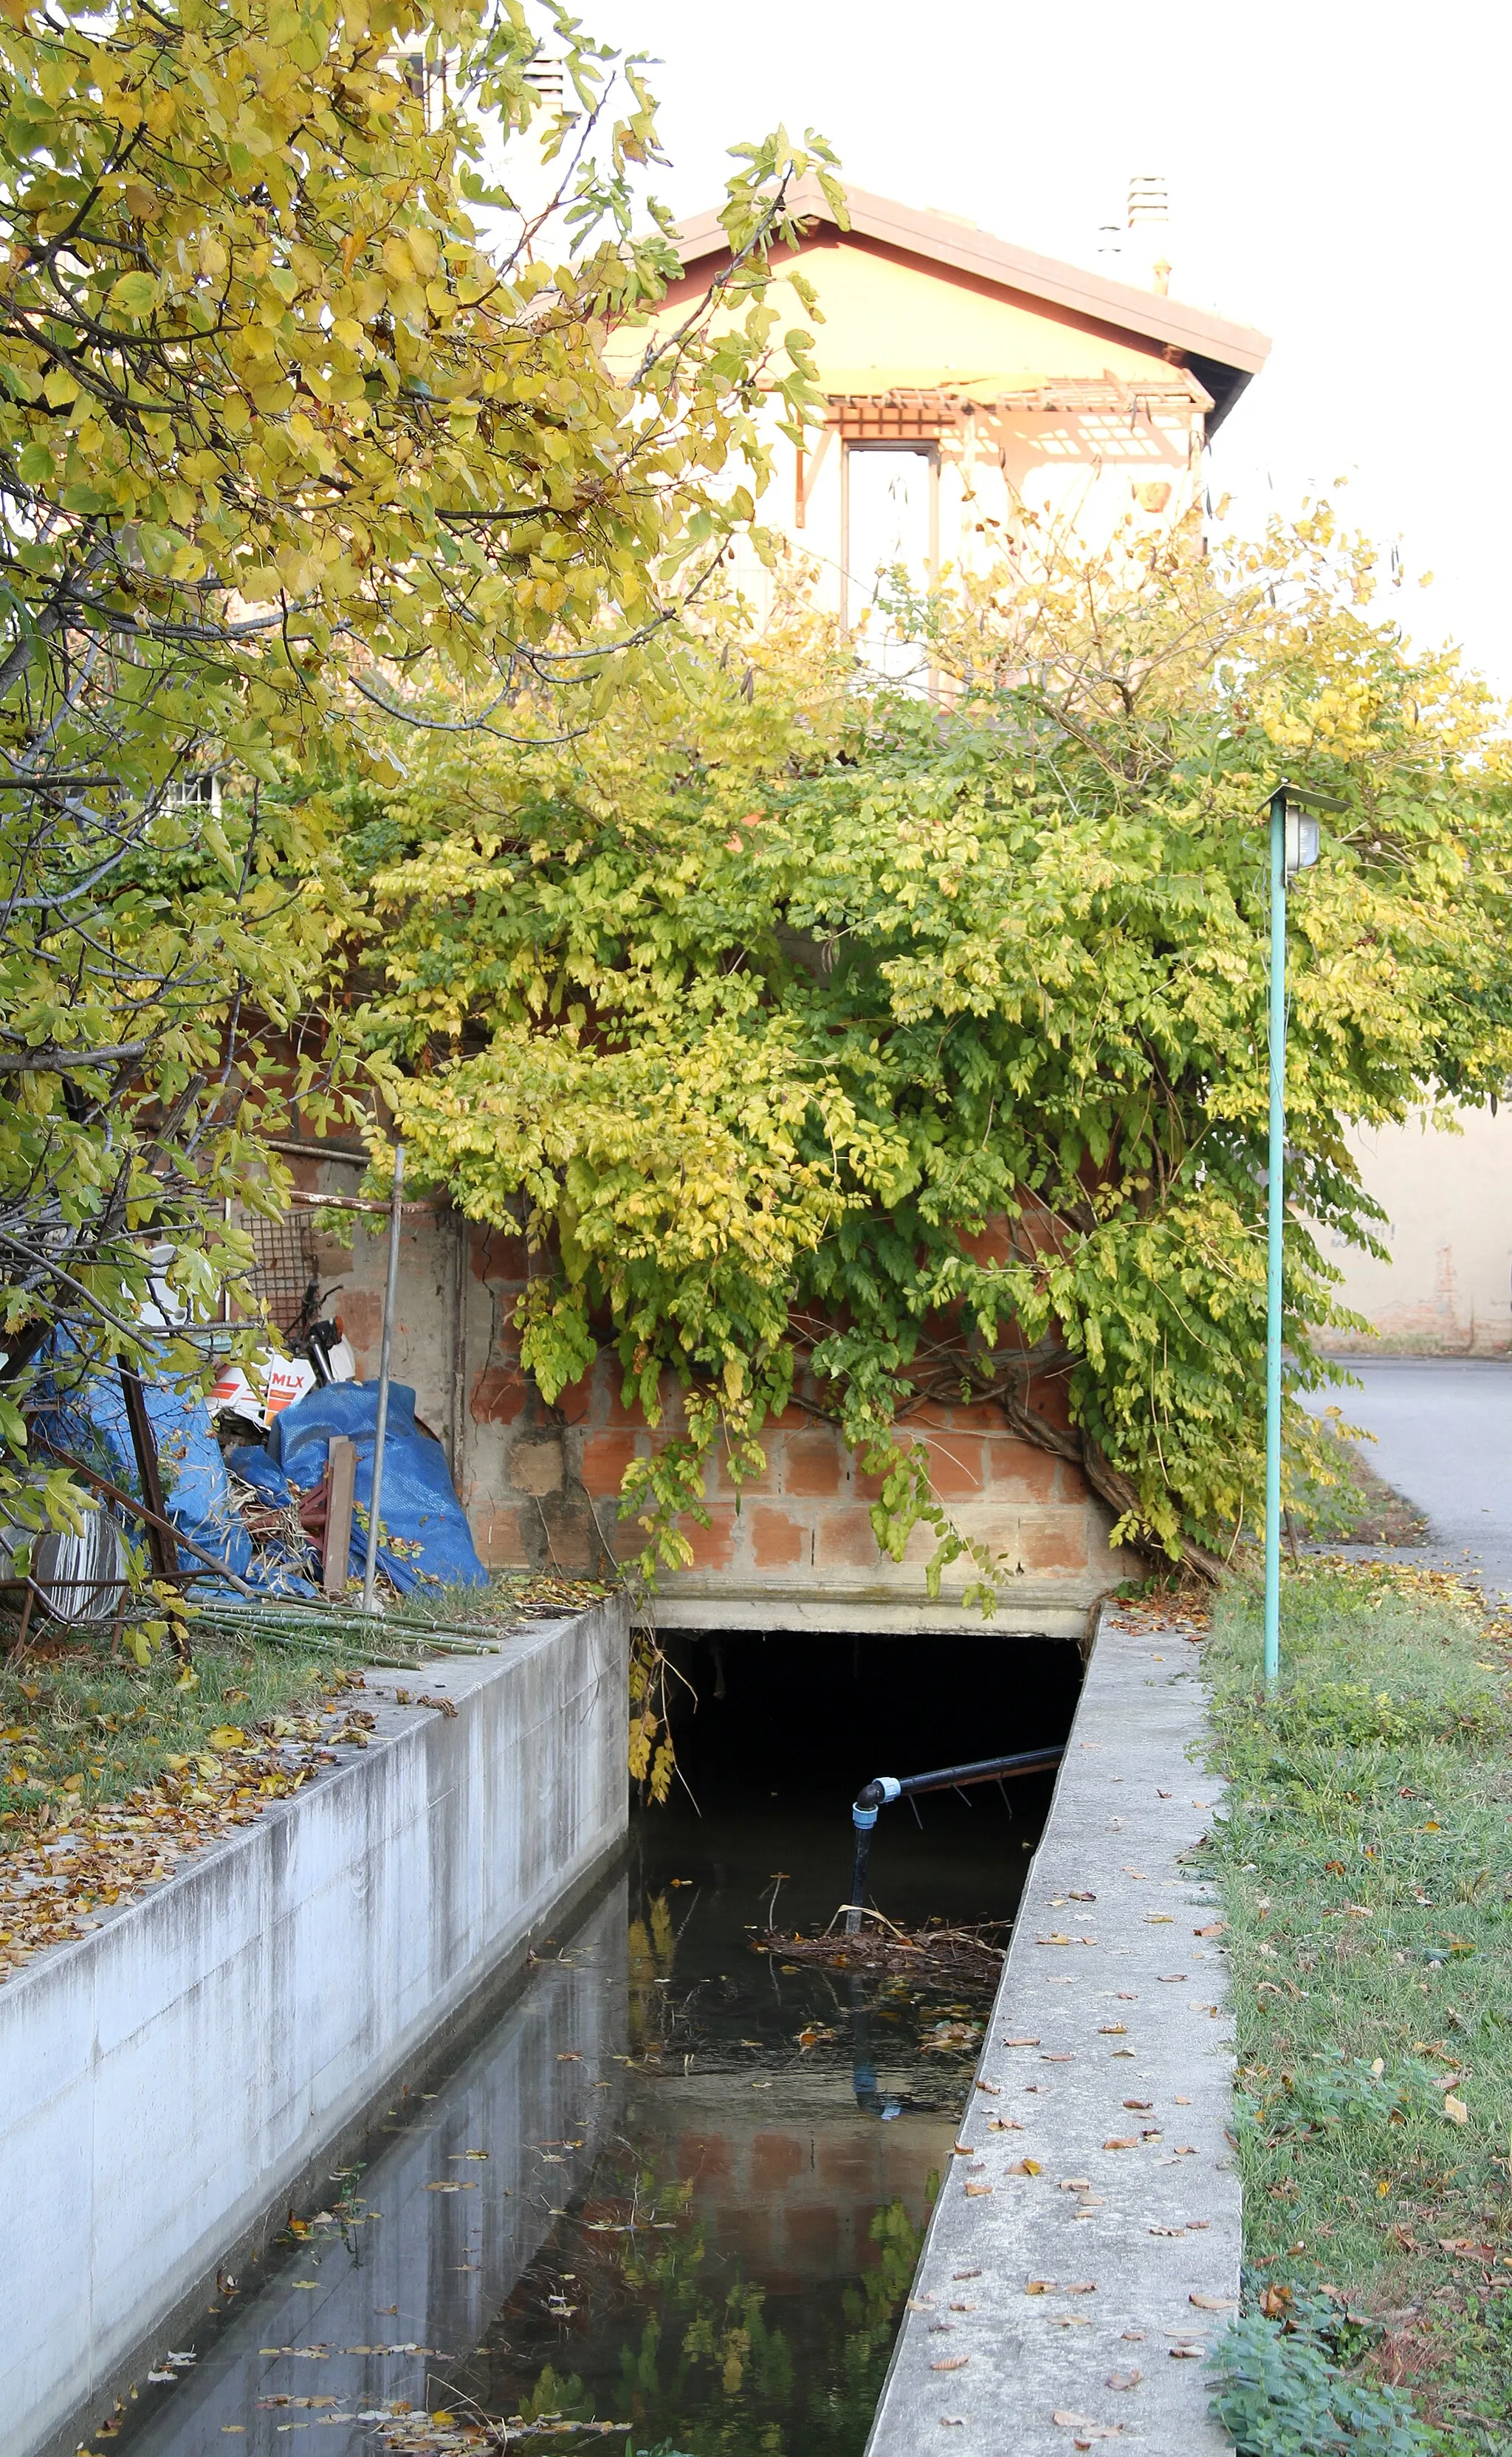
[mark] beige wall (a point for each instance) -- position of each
(1447, 1286)
(894, 324)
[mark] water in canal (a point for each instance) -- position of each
(676, 2185)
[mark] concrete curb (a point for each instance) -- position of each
(1037, 2292)
(169, 2077)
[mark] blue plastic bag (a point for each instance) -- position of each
(423, 1533)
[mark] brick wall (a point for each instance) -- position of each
(792, 1549)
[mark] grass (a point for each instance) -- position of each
(81, 1727)
(1366, 1863)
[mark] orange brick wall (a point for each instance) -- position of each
(791, 1548)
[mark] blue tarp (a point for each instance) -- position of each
(423, 1532)
(91, 1423)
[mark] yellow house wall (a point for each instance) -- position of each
(1447, 1286)
(890, 323)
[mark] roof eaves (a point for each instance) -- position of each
(934, 237)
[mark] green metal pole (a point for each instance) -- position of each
(1276, 1193)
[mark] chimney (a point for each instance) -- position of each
(1147, 219)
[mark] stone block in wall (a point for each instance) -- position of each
(712, 1546)
(604, 1458)
(500, 1394)
(957, 1469)
(537, 1466)
(1053, 1537)
(496, 1257)
(813, 1464)
(1017, 1471)
(779, 1540)
(500, 1539)
(844, 1540)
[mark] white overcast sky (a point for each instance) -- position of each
(1338, 176)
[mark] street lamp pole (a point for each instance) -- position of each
(1275, 1190)
(1293, 847)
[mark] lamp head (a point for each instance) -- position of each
(1301, 839)
(1300, 807)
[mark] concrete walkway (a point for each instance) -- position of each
(1073, 2305)
(1443, 1437)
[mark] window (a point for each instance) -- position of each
(199, 788)
(890, 518)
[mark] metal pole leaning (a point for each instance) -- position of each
(1275, 1190)
(386, 1349)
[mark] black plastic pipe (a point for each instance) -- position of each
(885, 1789)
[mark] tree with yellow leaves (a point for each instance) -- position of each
(283, 442)
(920, 1041)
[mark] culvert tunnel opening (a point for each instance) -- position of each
(776, 1733)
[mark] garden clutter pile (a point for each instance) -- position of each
(254, 1503)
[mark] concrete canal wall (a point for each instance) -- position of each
(1057, 2309)
(168, 2078)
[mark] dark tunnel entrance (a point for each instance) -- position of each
(776, 1733)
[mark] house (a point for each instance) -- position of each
(1445, 1287)
(971, 384)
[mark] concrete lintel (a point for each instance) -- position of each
(878, 1613)
(1109, 2059)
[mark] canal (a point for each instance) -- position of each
(677, 2184)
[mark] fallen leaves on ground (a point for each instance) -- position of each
(56, 1886)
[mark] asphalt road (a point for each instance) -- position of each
(1443, 1437)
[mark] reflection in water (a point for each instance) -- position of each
(678, 2187)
